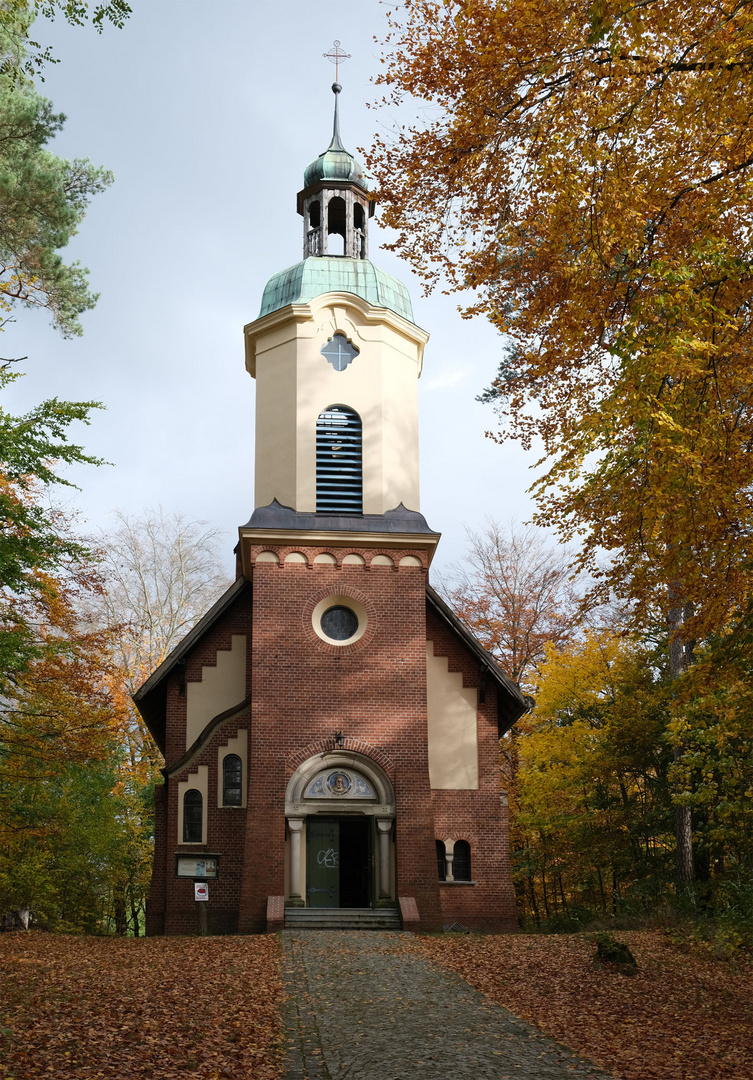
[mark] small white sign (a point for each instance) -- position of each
(200, 890)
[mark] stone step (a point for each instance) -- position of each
(342, 919)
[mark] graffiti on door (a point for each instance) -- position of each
(328, 857)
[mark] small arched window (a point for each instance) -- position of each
(461, 863)
(193, 814)
(232, 780)
(336, 216)
(339, 479)
(441, 861)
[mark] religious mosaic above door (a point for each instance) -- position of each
(339, 784)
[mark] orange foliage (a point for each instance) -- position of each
(60, 710)
(586, 171)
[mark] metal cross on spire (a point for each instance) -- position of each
(336, 56)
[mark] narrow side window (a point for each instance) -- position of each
(232, 780)
(441, 861)
(461, 864)
(193, 812)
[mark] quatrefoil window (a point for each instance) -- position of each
(339, 352)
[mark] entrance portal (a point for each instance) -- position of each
(340, 861)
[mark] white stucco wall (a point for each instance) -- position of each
(220, 688)
(295, 384)
(453, 732)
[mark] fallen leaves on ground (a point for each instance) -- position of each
(109, 1008)
(685, 1014)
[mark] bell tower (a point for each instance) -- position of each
(336, 356)
(335, 202)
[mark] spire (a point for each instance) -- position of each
(336, 144)
(335, 203)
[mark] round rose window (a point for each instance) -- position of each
(339, 623)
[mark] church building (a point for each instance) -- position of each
(330, 729)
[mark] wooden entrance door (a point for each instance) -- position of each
(322, 862)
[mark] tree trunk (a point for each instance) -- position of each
(615, 892)
(135, 914)
(543, 888)
(534, 905)
(562, 893)
(683, 821)
(120, 912)
(601, 890)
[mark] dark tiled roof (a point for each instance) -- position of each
(399, 520)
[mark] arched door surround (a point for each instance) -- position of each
(335, 785)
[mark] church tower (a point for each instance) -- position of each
(330, 728)
(336, 357)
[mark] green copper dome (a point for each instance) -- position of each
(336, 163)
(334, 273)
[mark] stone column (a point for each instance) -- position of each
(296, 885)
(449, 856)
(384, 828)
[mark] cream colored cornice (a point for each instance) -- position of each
(302, 313)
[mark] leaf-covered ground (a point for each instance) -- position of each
(105, 1008)
(76, 1008)
(684, 1015)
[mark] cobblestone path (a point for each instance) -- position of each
(360, 1006)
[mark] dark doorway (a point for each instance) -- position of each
(339, 861)
(355, 862)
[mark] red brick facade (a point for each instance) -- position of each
(302, 690)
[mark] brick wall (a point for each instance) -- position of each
(479, 817)
(305, 689)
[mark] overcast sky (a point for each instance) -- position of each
(208, 113)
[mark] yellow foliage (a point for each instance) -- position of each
(586, 171)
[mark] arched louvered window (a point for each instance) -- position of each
(232, 780)
(339, 482)
(461, 863)
(193, 813)
(441, 861)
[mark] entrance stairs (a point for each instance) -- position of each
(322, 918)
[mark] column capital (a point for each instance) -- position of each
(384, 824)
(295, 824)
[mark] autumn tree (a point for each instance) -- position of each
(160, 573)
(36, 543)
(513, 590)
(62, 816)
(61, 822)
(593, 822)
(585, 170)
